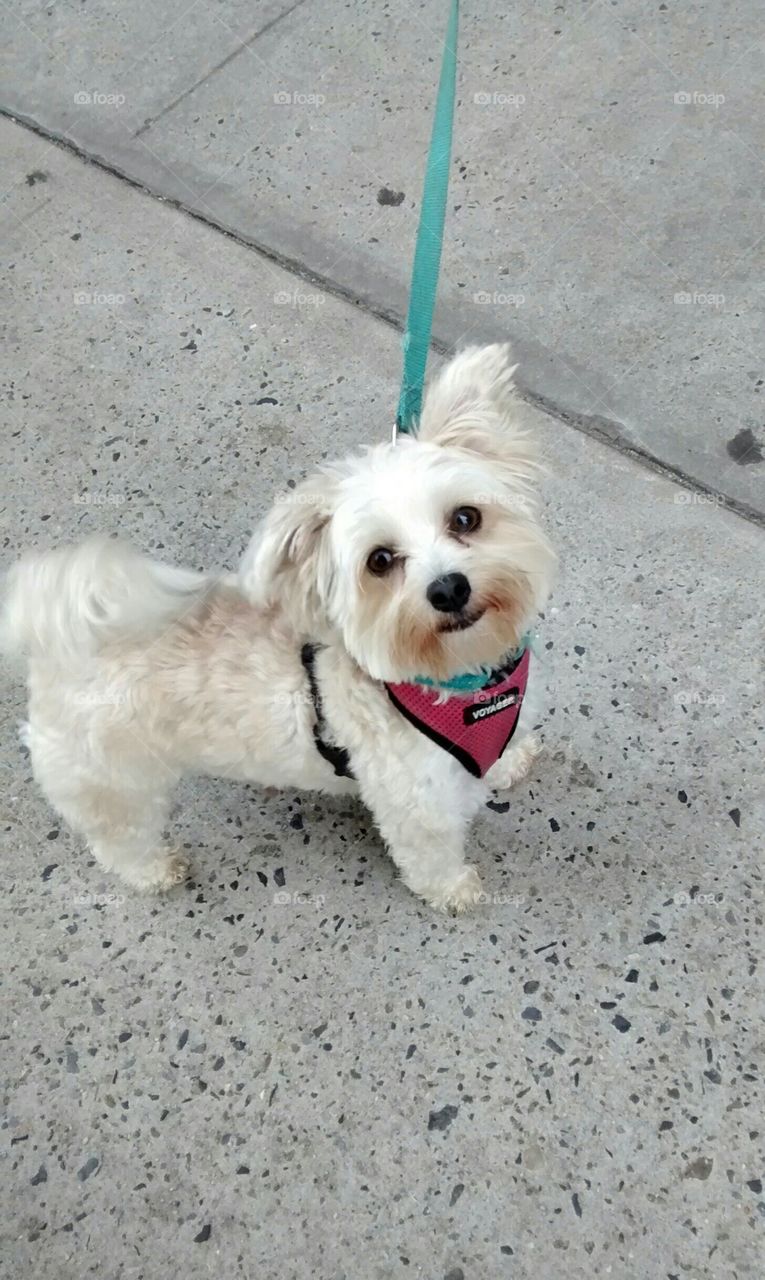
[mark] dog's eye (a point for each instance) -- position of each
(380, 561)
(465, 520)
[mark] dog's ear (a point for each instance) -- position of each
(471, 406)
(288, 559)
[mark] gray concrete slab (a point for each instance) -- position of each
(101, 71)
(606, 223)
(564, 1083)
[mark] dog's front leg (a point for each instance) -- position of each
(515, 764)
(424, 827)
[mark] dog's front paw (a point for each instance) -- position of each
(458, 894)
(164, 872)
(513, 766)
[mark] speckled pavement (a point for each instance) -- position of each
(290, 1068)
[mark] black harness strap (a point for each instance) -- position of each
(336, 756)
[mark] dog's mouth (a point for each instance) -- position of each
(461, 621)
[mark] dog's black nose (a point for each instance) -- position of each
(450, 593)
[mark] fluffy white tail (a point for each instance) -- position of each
(67, 603)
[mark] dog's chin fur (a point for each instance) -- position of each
(139, 672)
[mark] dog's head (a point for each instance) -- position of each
(426, 557)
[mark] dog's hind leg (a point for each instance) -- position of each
(121, 814)
(125, 833)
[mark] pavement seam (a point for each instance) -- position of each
(234, 53)
(605, 431)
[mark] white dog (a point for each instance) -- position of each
(409, 566)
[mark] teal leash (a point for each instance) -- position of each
(422, 294)
(430, 234)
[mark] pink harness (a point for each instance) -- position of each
(476, 727)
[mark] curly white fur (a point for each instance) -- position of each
(139, 673)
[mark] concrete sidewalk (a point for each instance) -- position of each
(606, 195)
(290, 1068)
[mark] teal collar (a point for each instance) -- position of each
(474, 681)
